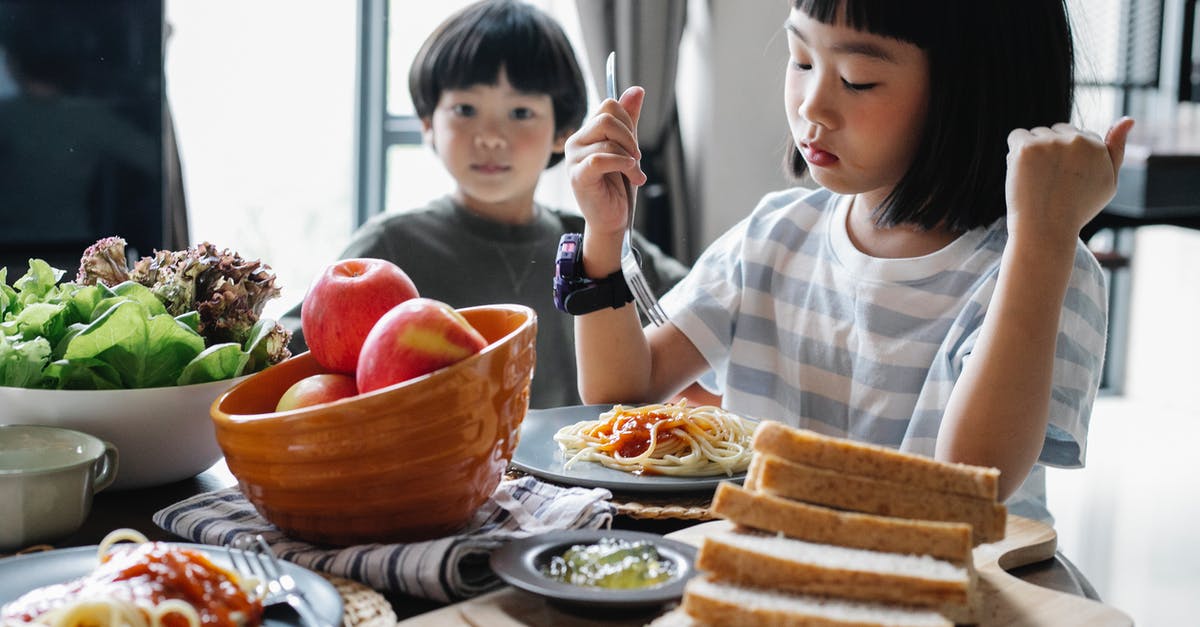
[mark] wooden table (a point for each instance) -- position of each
(134, 509)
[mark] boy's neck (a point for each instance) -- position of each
(896, 242)
(513, 211)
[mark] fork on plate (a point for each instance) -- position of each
(631, 265)
(252, 558)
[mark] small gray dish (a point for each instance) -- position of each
(520, 563)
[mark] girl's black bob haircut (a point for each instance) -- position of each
(471, 46)
(994, 66)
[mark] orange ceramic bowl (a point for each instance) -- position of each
(408, 462)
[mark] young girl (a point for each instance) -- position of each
(933, 294)
(498, 91)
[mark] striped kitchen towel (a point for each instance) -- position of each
(445, 569)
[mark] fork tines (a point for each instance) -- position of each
(253, 557)
(641, 291)
(248, 561)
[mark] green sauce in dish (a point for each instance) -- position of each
(611, 563)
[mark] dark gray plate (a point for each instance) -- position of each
(519, 563)
(23, 573)
(538, 454)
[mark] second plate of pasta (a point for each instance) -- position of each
(539, 454)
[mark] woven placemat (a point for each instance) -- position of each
(361, 605)
(647, 507)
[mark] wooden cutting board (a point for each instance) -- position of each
(1007, 601)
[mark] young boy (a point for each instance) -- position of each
(498, 91)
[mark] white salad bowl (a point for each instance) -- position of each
(162, 434)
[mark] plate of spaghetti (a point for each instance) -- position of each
(145, 584)
(650, 448)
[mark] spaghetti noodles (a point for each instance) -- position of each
(146, 584)
(667, 439)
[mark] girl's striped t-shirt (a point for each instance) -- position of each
(800, 326)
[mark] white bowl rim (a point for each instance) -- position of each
(8, 389)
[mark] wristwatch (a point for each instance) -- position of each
(574, 292)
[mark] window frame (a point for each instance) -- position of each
(376, 130)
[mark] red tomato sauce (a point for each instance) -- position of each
(628, 435)
(148, 574)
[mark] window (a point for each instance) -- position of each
(263, 100)
(269, 99)
(1118, 45)
(1117, 50)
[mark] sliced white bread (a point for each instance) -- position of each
(756, 559)
(950, 541)
(780, 477)
(751, 480)
(722, 604)
(870, 460)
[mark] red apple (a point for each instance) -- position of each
(344, 302)
(316, 389)
(416, 337)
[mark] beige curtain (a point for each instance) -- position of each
(645, 35)
(175, 217)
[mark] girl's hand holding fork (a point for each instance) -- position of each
(596, 156)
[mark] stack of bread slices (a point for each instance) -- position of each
(833, 532)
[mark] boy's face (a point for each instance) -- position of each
(495, 141)
(856, 104)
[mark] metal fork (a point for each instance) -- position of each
(631, 265)
(253, 558)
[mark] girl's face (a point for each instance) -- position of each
(856, 105)
(495, 141)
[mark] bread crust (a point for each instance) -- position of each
(809, 448)
(950, 541)
(726, 561)
(721, 611)
(840, 490)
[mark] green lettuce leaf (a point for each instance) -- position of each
(22, 362)
(145, 351)
(46, 320)
(141, 294)
(265, 344)
(84, 374)
(8, 296)
(191, 319)
(39, 283)
(215, 363)
(61, 347)
(85, 299)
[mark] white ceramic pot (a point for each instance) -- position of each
(47, 478)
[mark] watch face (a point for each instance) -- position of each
(566, 264)
(567, 269)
